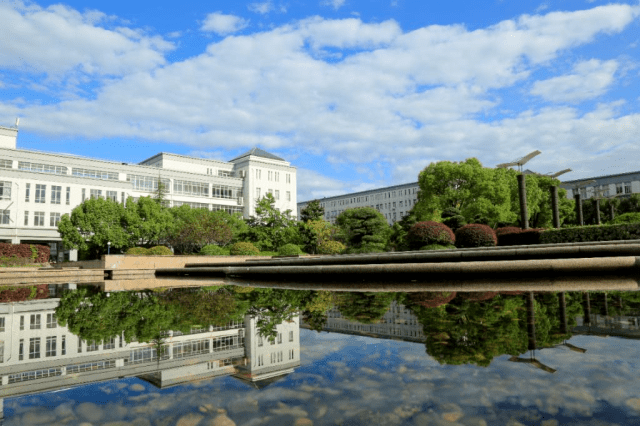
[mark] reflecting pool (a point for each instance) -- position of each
(248, 356)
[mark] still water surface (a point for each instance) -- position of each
(280, 357)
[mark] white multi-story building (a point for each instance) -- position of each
(37, 188)
(393, 202)
(619, 185)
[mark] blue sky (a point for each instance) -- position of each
(356, 94)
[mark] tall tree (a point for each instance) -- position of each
(149, 222)
(195, 228)
(364, 228)
(270, 228)
(313, 211)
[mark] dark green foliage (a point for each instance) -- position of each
(196, 228)
(140, 251)
(591, 233)
(160, 251)
(270, 228)
(313, 211)
(271, 307)
(244, 249)
(475, 235)
(366, 308)
(289, 250)
(215, 250)
(629, 204)
(365, 229)
(626, 218)
(437, 247)
(520, 237)
(430, 232)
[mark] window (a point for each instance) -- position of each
(110, 344)
(84, 194)
(290, 353)
(627, 187)
(269, 174)
(277, 194)
(95, 193)
(38, 218)
(258, 193)
(21, 322)
(79, 345)
(26, 218)
(224, 173)
(95, 174)
(199, 189)
(6, 164)
(27, 192)
(52, 321)
(288, 178)
(34, 348)
(1, 324)
(63, 347)
(147, 183)
(51, 346)
(35, 322)
(41, 193)
(279, 338)
(260, 343)
(288, 195)
(4, 218)
(277, 176)
(42, 168)
(113, 196)
(54, 218)
(122, 197)
(21, 350)
(291, 336)
(92, 346)
(221, 191)
(68, 195)
(56, 194)
(5, 190)
(258, 174)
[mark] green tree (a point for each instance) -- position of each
(270, 228)
(467, 186)
(314, 233)
(364, 307)
(160, 196)
(629, 204)
(196, 228)
(94, 223)
(271, 307)
(364, 229)
(313, 211)
(148, 221)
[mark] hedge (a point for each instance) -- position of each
(629, 231)
(244, 249)
(138, 250)
(289, 250)
(214, 250)
(475, 235)
(38, 253)
(520, 237)
(20, 294)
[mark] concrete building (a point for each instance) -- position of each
(37, 188)
(620, 185)
(39, 355)
(393, 202)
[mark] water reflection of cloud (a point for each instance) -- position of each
(365, 379)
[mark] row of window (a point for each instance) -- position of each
(272, 176)
(273, 340)
(276, 194)
(275, 357)
(373, 197)
(34, 322)
(51, 343)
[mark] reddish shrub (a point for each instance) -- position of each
(508, 230)
(24, 251)
(20, 294)
(430, 232)
(475, 235)
(432, 299)
(478, 296)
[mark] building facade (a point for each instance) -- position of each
(620, 185)
(393, 202)
(37, 188)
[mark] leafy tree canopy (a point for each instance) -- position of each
(313, 211)
(364, 228)
(270, 228)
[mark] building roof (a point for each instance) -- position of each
(358, 194)
(257, 152)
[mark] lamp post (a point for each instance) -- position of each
(578, 198)
(108, 247)
(522, 187)
(554, 197)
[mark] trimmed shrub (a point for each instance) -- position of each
(289, 250)
(475, 235)
(244, 249)
(36, 253)
(160, 251)
(437, 247)
(430, 232)
(214, 250)
(579, 234)
(478, 296)
(140, 251)
(20, 294)
(331, 247)
(626, 218)
(512, 236)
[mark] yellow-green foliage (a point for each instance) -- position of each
(160, 251)
(244, 249)
(138, 250)
(331, 247)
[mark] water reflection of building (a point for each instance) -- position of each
(602, 325)
(398, 323)
(37, 354)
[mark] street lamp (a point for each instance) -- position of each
(524, 215)
(108, 247)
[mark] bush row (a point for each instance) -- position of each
(153, 251)
(37, 253)
(629, 231)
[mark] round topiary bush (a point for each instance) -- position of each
(430, 232)
(244, 249)
(289, 250)
(214, 250)
(138, 250)
(331, 247)
(160, 251)
(508, 230)
(475, 235)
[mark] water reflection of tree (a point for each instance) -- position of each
(364, 307)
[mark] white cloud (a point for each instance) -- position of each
(312, 185)
(59, 40)
(222, 24)
(336, 4)
(588, 80)
(261, 8)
